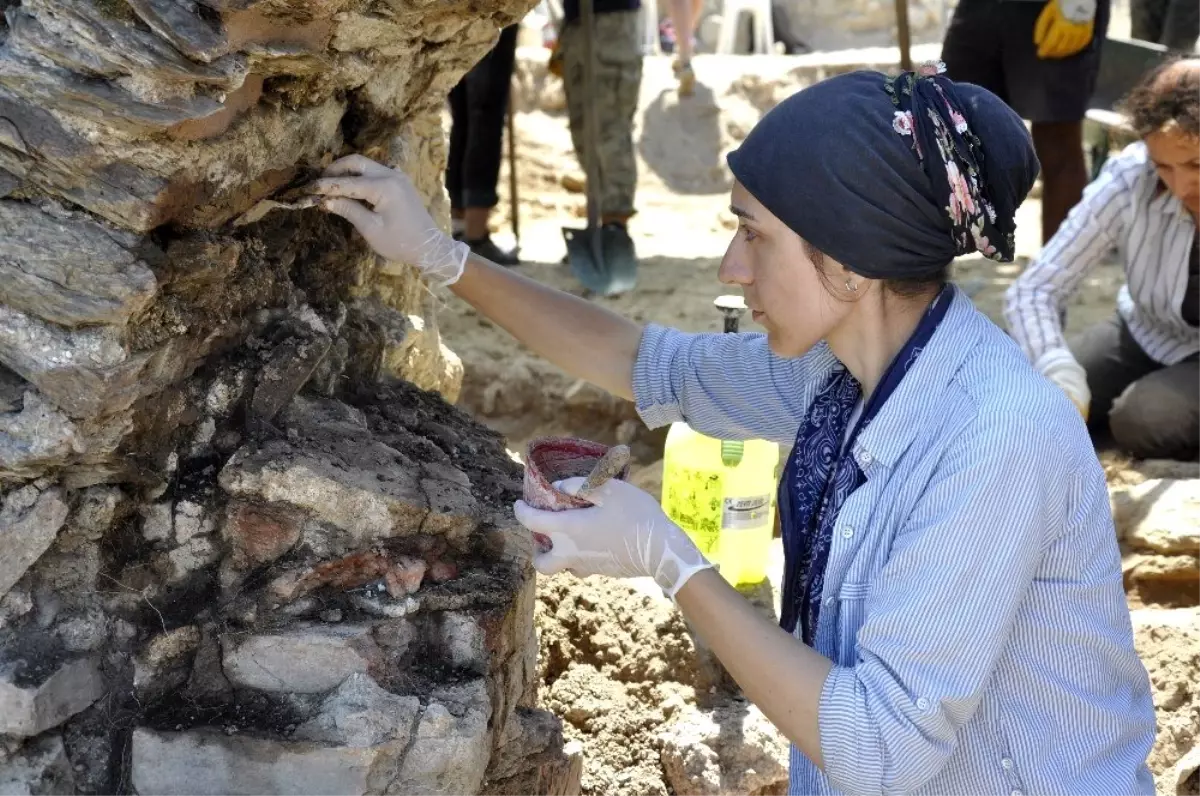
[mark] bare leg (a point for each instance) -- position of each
(1059, 147)
(683, 19)
(476, 222)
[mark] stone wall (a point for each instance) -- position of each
(247, 546)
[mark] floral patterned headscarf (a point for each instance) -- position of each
(893, 177)
(930, 115)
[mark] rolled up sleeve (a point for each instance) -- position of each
(939, 616)
(729, 386)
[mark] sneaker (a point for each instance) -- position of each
(485, 247)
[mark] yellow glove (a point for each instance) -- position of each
(1064, 28)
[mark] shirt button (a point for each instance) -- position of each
(923, 703)
(829, 601)
(865, 458)
(1016, 793)
(1007, 763)
(847, 532)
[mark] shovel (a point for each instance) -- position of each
(601, 258)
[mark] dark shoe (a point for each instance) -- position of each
(487, 249)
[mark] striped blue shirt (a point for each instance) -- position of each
(1126, 210)
(973, 603)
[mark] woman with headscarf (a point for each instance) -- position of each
(953, 614)
(1136, 374)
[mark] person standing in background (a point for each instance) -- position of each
(477, 107)
(618, 79)
(679, 33)
(1041, 58)
(1172, 23)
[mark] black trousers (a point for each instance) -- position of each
(990, 43)
(1151, 410)
(477, 107)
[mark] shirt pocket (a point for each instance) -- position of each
(851, 613)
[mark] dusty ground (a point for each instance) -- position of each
(653, 714)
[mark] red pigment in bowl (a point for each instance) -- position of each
(551, 459)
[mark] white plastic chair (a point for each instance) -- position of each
(760, 14)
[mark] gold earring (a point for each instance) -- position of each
(851, 285)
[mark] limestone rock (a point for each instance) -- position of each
(144, 340)
(34, 434)
(178, 564)
(731, 750)
(530, 732)
(29, 521)
(179, 24)
(306, 659)
(259, 534)
(369, 491)
(209, 762)
(361, 714)
(450, 752)
(335, 470)
(559, 776)
(165, 663)
(40, 767)
(79, 36)
(32, 702)
(1187, 773)
(90, 371)
(1168, 643)
(1160, 516)
(66, 92)
(68, 270)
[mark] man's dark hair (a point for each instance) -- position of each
(1168, 93)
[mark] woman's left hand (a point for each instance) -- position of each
(625, 535)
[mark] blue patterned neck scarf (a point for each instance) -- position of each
(820, 474)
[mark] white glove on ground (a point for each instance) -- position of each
(1060, 367)
(399, 228)
(625, 535)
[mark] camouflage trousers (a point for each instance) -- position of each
(617, 79)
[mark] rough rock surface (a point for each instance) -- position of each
(247, 545)
(650, 712)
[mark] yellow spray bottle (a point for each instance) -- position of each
(722, 492)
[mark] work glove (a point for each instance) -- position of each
(386, 209)
(1064, 27)
(625, 535)
(1060, 367)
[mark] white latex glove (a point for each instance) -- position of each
(396, 224)
(1060, 367)
(625, 535)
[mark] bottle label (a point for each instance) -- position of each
(745, 513)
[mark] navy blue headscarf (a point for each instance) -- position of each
(892, 177)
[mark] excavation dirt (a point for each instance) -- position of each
(654, 714)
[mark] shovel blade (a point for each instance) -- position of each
(603, 259)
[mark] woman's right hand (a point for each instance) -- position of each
(386, 209)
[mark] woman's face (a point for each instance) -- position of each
(781, 283)
(1176, 155)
